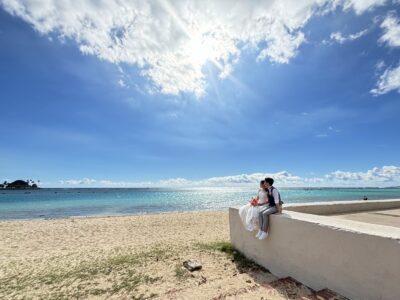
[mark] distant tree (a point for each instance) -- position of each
(18, 184)
(30, 182)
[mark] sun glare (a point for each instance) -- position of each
(199, 50)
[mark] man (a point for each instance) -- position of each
(274, 206)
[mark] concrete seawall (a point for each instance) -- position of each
(341, 207)
(358, 260)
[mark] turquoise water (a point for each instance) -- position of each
(60, 203)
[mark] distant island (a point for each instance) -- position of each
(19, 185)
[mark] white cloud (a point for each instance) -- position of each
(239, 180)
(380, 65)
(384, 176)
(391, 28)
(121, 83)
(340, 38)
(246, 179)
(360, 6)
(282, 45)
(84, 181)
(374, 177)
(388, 81)
(175, 182)
(332, 129)
(170, 41)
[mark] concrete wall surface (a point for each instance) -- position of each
(342, 207)
(357, 260)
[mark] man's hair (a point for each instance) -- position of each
(269, 180)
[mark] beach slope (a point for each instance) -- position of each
(129, 257)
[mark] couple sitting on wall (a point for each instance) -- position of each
(256, 213)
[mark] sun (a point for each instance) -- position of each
(199, 50)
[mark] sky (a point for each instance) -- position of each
(200, 93)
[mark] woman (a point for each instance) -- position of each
(249, 213)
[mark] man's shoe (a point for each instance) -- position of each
(258, 234)
(263, 235)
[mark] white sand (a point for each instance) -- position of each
(127, 257)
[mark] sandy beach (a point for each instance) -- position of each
(130, 257)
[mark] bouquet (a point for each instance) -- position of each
(253, 202)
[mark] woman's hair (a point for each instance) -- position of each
(262, 182)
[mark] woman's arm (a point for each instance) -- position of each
(258, 195)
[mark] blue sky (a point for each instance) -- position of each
(310, 95)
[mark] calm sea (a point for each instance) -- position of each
(60, 203)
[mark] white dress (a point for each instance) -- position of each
(249, 213)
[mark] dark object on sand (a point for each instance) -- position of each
(192, 265)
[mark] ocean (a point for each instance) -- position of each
(61, 203)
